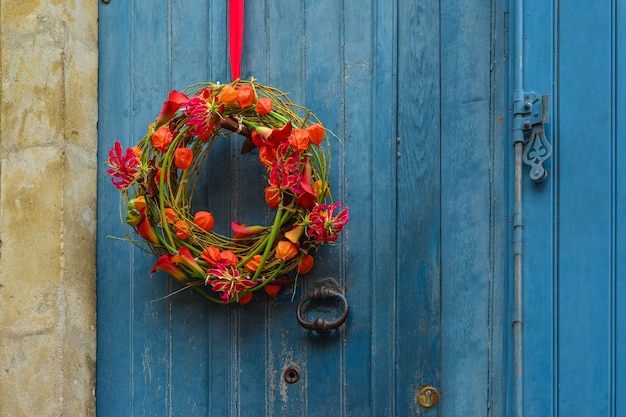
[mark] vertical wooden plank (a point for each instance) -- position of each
(499, 250)
(190, 359)
(114, 356)
(151, 327)
(287, 343)
(586, 250)
(362, 351)
(384, 206)
(465, 204)
(619, 299)
(540, 270)
(323, 70)
(419, 204)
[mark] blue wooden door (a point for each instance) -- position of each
(575, 257)
(408, 88)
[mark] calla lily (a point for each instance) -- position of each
(164, 263)
(242, 231)
(295, 234)
(144, 229)
(185, 257)
(175, 100)
(274, 137)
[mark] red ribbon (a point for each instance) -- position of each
(235, 20)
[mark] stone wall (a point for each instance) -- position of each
(48, 164)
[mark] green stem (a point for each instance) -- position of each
(164, 168)
(270, 242)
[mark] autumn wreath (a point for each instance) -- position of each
(158, 176)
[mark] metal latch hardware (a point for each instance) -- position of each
(530, 115)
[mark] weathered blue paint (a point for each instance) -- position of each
(412, 90)
(574, 253)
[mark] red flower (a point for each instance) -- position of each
(162, 137)
(272, 197)
(184, 257)
(125, 166)
(324, 225)
(145, 230)
(245, 96)
(226, 279)
(264, 106)
(164, 263)
(267, 155)
(200, 112)
(175, 100)
(274, 137)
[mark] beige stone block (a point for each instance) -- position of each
(30, 231)
(30, 381)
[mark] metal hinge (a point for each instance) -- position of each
(530, 115)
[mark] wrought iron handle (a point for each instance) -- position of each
(321, 293)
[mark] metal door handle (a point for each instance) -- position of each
(326, 290)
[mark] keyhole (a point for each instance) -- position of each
(291, 375)
(428, 396)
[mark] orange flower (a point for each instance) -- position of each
(264, 106)
(286, 250)
(228, 94)
(305, 265)
(183, 158)
(267, 155)
(170, 215)
(272, 289)
(316, 133)
(204, 220)
(272, 196)
(299, 139)
(228, 258)
(182, 229)
(137, 151)
(211, 255)
(253, 264)
(161, 138)
(245, 299)
(137, 203)
(245, 96)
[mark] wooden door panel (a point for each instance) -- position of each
(418, 178)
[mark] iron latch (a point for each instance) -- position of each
(530, 115)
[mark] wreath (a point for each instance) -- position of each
(158, 176)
